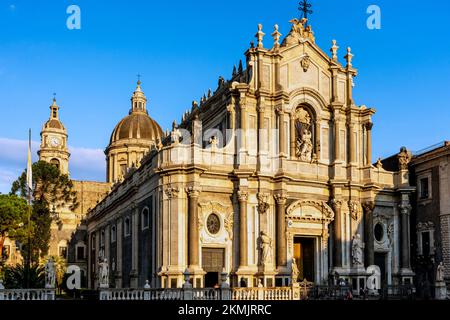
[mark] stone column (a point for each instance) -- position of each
(262, 131)
(134, 247)
(337, 232)
(352, 142)
(243, 118)
(108, 244)
(243, 237)
(405, 211)
(119, 237)
(193, 243)
(369, 126)
(292, 138)
(368, 233)
(282, 132)
(337, 142)
(281, 229)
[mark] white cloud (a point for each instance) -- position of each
(84, 163)
(87, 164)
(6, 179)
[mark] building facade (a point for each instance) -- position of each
(269, 179)
(431, 174)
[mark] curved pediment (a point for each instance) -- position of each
(310, 210)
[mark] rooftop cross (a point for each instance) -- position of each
(305, 8)
(139, 78)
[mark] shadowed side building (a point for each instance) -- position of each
(430, 172)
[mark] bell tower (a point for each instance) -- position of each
(54, 141)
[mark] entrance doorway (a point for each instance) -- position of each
(304, 257)
(213, 262)
(380, 261)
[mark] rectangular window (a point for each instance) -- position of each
(80, 253)
(127, 227)
(426, 243)
(113, 234)
(424, 188)
(63, 252)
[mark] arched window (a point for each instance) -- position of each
(127, 227)
(113, 234)
(304, 134)
(55, 162)
(102, 238)
(145, 218)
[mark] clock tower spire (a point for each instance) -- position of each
(54, 141)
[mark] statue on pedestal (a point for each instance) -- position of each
(294, 271)
(104, 274)
(440, 273)
(50, 274)
(266, 248)
(357, 250)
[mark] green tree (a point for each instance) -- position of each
(13, 218)
(17, 277)
(52, 191)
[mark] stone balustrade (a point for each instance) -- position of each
(282, 293)
(144, 294)
(27, 294)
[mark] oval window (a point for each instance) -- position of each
(213, 224)
(379, 232)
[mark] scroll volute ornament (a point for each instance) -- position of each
(354, 209)
(368, 207)
(263, 205)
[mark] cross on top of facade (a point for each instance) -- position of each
(304, 8)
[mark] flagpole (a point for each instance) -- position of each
(29, 187)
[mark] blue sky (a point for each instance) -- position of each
(181, 48)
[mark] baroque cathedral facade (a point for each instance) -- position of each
(268, 179)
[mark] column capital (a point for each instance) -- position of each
(193, 191)
(242, 195)
(230, 108)
(280, 110)
(172, 192)
(281, 197)
(336, 203)
(405, 209)
(368, 125)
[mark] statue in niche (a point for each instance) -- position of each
(266, 248)
(305, 146)
(357, 250)
(303, 130)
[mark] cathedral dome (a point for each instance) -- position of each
(137, 125)
(132, 138)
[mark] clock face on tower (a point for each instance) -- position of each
(54, 141)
